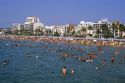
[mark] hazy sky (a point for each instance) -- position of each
(60, 11)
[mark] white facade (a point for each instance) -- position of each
(61, 29)
(16, 26)
(32, 20)
(50, 27)
(98, 25)
(94, 25)
(38, 26)
(35, 22)
(84, 24)
(32, 23)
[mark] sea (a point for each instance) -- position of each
(23, 61)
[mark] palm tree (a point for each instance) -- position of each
(116, 27)
(122, 29)
(90, 28)
(48, 32)
(56, 34)
(83, 31)
(98, 32)
(37, 32)
(22, 31)
(105, 31)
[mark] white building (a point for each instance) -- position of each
(59, 28)
(50, 27)
(85, 25)
(97, 25)
(35, 22)
(94, 25)
(32, 20)
(17, 26)
(32, 23)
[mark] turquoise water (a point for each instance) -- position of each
(44, 63)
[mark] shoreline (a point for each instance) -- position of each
(68, 40)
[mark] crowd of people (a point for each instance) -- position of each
(82, 41)
(89, 58)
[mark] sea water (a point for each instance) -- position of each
(40, 62)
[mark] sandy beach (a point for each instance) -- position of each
(67, 40)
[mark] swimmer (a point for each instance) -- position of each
(7, 44)
(63, 58)
(113, 59)
(6, 61)
(64, 70)
(72, 71)
(65, 55)
(28, 55)
(104, 62)
(117, 52)
(52, 72)
(96, 68)
(37, 57)
(89, 60)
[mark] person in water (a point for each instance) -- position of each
(117, 52)
(63, 58)
(72, 71)
(64, 70)
(113, 59)
(104, 62)
(6, 61)
(28, 55)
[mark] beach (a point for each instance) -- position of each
(68, 40)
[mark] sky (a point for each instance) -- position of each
(54, 12)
